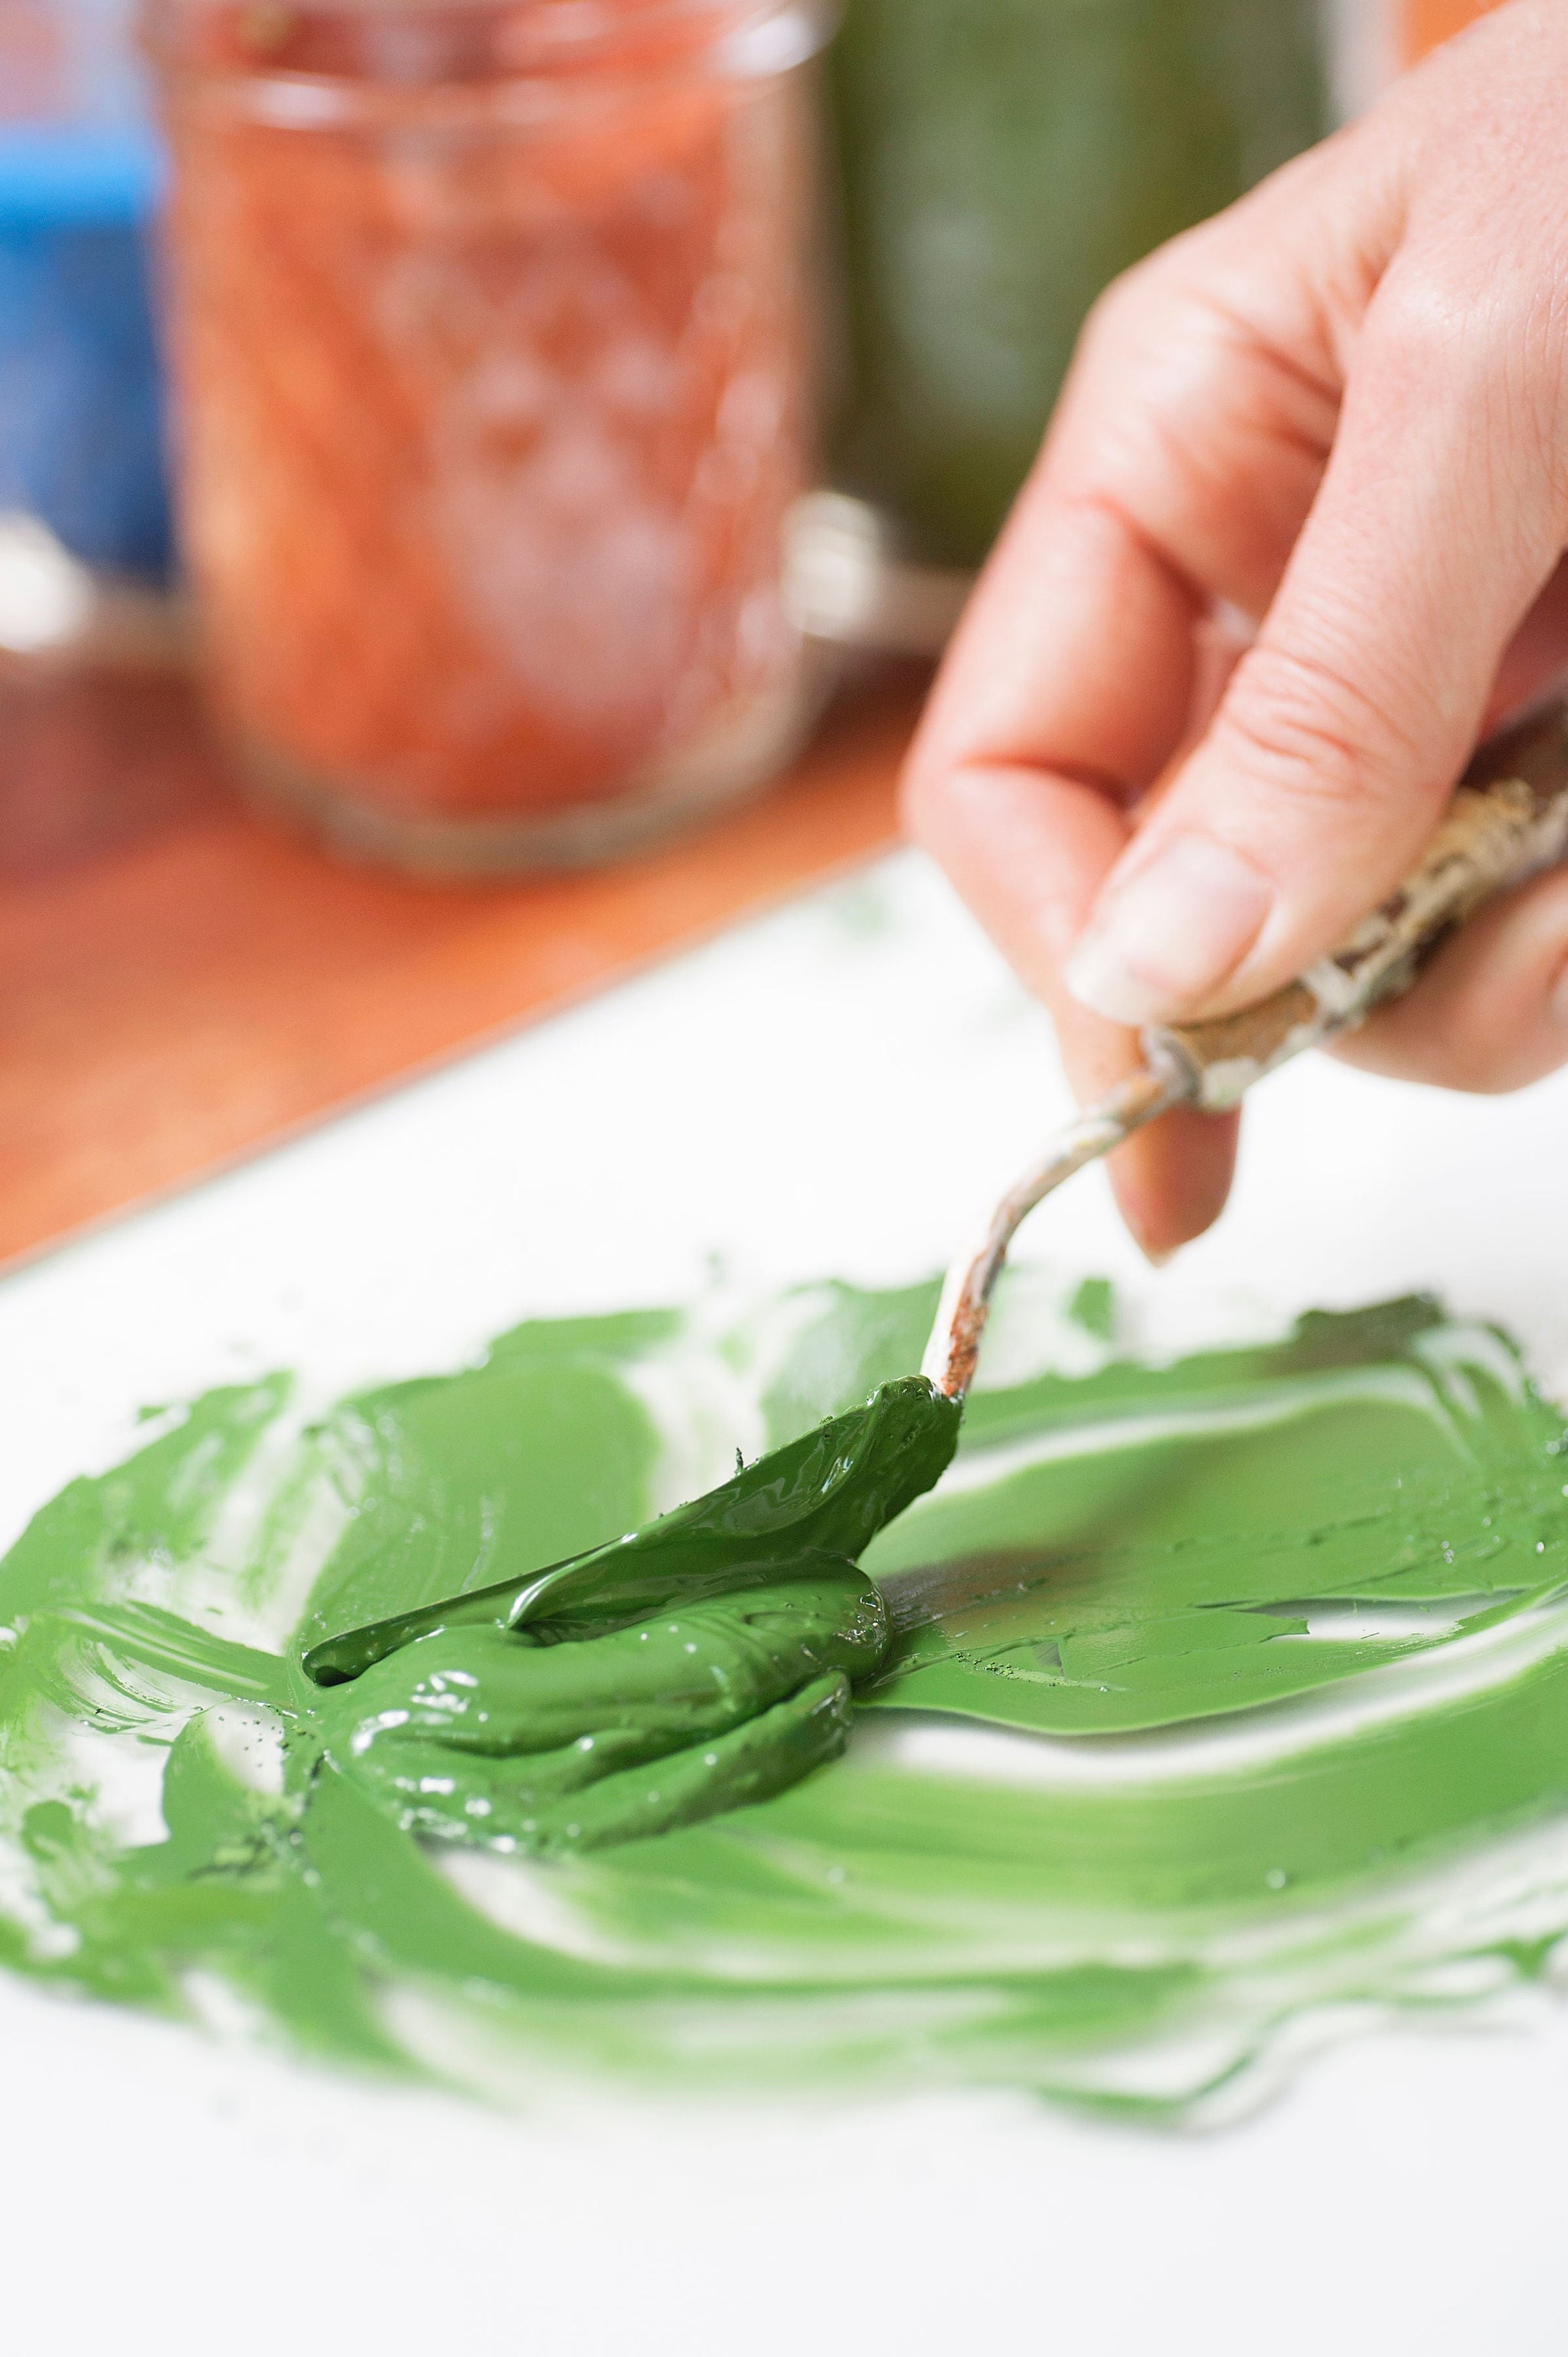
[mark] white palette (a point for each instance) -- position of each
(837, 1090)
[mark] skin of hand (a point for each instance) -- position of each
(1294, 542)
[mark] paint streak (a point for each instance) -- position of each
(700, 1664)
(1213, 1704)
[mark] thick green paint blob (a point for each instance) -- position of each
(488, 1716)
(1197, 1701)
(479, 1734)
(826, 1494)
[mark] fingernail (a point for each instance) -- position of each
(1171, 933)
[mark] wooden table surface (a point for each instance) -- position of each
(182, 983)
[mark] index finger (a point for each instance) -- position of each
(1080, 664)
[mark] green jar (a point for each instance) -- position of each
(1002, 161)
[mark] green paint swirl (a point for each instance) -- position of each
(1196, 1702)
(479, 1734)
(700, 1664)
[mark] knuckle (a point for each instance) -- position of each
(1142, 295)
(1490, 338)
(1116, 320)
(1301, 726)
(1125, 296)
(1430, 324)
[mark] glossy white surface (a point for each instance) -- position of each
(838, 1090)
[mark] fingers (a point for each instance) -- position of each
(999, 830)
(1437, 528)
(1182, 461)
(1492, 1014)
(1088, 657)
(1028, 843)
(1180, 466)
(1348, 428)
(1172, 1180)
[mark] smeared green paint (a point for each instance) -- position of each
(478, 1734)
(703, 1662)
(1187, 1558)
(1213, 1696)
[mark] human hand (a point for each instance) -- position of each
(1294, 541)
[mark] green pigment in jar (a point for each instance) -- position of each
(1002, 161)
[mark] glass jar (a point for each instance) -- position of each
(1001, 161)
(489, 333)
(85, 527)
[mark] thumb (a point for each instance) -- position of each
(1438, 520)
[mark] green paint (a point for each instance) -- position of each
(1209, 1697)
(700, 1663)
(477, 1735)
(1169, 1572)
(1001, 161)
(1094, 1307)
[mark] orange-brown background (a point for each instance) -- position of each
(181, 984)
(1427, 22)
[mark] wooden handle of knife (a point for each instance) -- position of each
(1507, 820)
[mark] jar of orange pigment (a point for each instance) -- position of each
(490, 334)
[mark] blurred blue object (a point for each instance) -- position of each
(80, 398)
